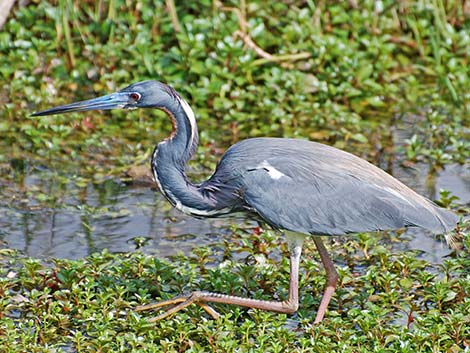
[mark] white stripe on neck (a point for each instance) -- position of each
(192, 120)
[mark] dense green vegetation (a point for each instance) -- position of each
(358, 69)
(384, 303)
(346, 73)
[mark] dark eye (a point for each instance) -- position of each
(134, 96)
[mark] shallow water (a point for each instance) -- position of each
(109, 220)
(78, 218)
(112, 214)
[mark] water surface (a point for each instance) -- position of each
(80, 217)
(112, 214)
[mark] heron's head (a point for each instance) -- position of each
(145, 94)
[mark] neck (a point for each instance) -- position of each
(171, 156)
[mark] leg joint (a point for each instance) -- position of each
(289, 307)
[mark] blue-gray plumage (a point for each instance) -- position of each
(312, 188)
(298, 187)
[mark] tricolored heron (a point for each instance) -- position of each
(298, 187)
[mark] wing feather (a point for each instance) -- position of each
(313, 188)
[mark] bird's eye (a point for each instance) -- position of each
(134, 96)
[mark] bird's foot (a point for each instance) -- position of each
(179, 303)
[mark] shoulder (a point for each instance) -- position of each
(265, 147)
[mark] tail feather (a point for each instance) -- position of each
(447, 218)
(436, 219)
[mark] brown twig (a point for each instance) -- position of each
(171, 8)
(5, 8)
(250, 43)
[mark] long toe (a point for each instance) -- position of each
(214, 314)
(189, 300)
(172, 301)
(179, 303)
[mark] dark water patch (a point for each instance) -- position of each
(93, 218)
(111, 215)
(53, 212)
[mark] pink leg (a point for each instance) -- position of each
(288, 306)
(331, 279)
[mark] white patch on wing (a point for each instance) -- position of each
(190, 114)
(273, 172)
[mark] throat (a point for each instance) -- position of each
(169, 161)
(184, 136)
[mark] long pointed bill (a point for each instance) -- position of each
(110, 101)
